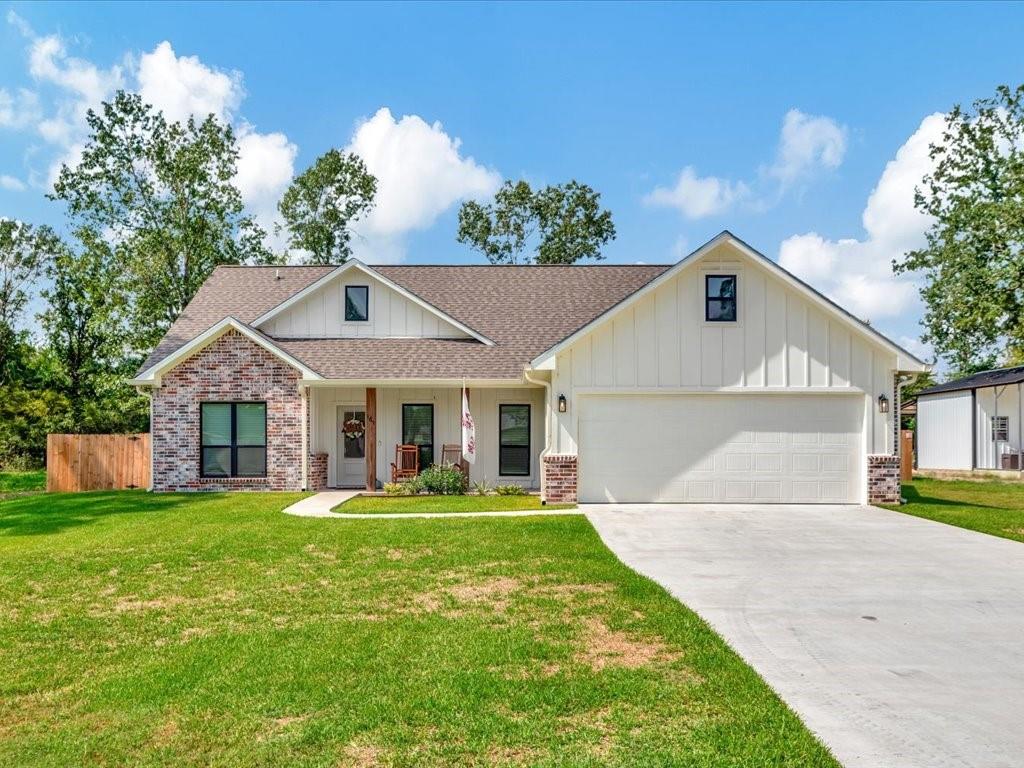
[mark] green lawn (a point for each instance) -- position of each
(187, 630)
(22, 482)
(989, 506)
(367, 505)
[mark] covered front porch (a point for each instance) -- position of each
(353, 430)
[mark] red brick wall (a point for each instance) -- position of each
(317, 471)
(559, 479)
(230, 369)
(883, 479)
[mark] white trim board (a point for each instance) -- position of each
(358, 265)
(152, 374)
(904, 359)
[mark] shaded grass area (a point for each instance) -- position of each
(12, 483)
(211, 629)
(991, 506)
(408, 504)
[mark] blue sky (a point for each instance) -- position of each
(802, 128)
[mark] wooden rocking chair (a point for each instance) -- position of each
(406, 465)
(451, 455)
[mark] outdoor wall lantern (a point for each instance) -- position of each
(563, 406)
(883, 404)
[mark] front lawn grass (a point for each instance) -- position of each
(22, 482)
(210, 629)
(376, 505)
(989, 506)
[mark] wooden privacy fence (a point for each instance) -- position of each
(906, 455)
(97, 462)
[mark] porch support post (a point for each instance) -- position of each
(371, 438)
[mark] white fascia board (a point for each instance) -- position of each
(151, 376)
(358, 265)
(409, 383)
(904, 360)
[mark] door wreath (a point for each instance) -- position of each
(353, 429)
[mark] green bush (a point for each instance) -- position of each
(396, 489)
(446, 481)
(510, 490)
(481, 488)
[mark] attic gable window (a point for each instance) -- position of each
(720, 298)
(357, 303)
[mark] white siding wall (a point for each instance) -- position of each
(322, 314)
(483, 404)
(782, 341)
(944, 431)
(990, 452)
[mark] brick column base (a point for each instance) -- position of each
(559, 479)
(317, 471)
(883, 479)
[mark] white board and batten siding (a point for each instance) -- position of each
(321, 314)
(484, 404)
(782, 344)
(947, 428)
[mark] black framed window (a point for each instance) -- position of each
(418, 430)
(514, 440)
(357, 303)
(720, 298)
(233, 439)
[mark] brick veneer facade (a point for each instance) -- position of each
(317, 471)
(559, 482)
(883, 479)
(232, 368)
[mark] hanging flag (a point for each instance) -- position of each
(468, 430)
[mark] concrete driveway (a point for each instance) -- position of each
(899, 641)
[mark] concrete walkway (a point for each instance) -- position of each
(321, 504)
(899, 641)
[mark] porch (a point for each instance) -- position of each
(353, 431)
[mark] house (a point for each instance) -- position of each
(721, 378)
(972, 423)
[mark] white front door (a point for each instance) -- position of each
(351, 451)
(721, 448)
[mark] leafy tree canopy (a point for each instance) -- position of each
(322, 203)
(163, 194)
(973, 260)
(565, 221)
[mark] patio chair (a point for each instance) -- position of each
(406, 465)
(451, 455)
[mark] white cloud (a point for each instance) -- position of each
(420, 173)
(19, 111)
(11, 184)
(917, 348)
(181, 86)
(266, 165)
(697, 197)
(807, 144)
(858, 272)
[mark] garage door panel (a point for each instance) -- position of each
(705, 448)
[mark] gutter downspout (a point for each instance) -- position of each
(547, 428)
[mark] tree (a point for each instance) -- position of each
(323, 201)
(565, 221)
(85, 324)
(24, 251)
(973, 260)
(163, 193)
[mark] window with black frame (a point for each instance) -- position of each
(720, 298)
(514, 440)
(418, 430)
(233, 439)
(357, 303)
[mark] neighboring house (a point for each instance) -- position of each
(971, 423)
(720, 378)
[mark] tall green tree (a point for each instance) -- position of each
(164, 194)
(85, 326)
(560, 224)
(24, 253)
(973, 260)
(323, 202)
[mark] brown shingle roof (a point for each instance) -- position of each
(523, 309)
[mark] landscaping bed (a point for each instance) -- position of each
(210, 629)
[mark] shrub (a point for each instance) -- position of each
(396, 489)
(446, 481)
(481, 488)
(510, 490)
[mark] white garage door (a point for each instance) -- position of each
(721, 448)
